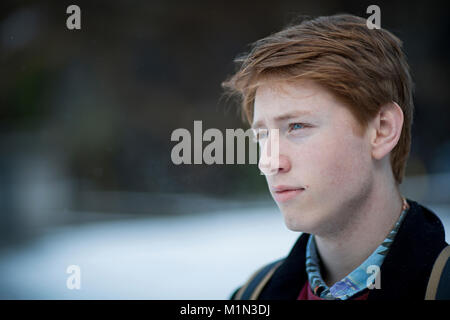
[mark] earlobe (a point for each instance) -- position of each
(388, 128)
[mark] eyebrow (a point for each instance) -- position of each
(286, 116)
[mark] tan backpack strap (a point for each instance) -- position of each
(264, 281)
(436, 273)
(245, 286)
(254, 285)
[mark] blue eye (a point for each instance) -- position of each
(295, 126)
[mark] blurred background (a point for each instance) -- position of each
(86, 117)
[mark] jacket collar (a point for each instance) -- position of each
(408, 264)
(404, 272)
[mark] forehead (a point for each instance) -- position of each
(275, 99)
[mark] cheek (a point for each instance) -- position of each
(335, 160)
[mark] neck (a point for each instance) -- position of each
(344, 251)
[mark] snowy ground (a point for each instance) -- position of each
(191, 257)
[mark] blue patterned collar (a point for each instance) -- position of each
(357, 280)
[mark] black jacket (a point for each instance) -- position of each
(404, 272)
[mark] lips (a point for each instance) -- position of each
(284, 193)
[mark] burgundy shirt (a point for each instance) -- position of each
(307, 294)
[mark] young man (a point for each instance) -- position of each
(340, 96)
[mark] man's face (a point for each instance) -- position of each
(323, 154)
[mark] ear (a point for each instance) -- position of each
(387, 128)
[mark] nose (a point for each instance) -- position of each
(271, 161)
(284, 165)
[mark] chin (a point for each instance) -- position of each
(300, 223)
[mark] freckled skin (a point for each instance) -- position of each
(329, 159)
